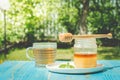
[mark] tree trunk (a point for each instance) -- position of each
(83, 26)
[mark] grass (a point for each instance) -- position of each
(105, 53)
(1, 58)
(109, 53)
(20, 54)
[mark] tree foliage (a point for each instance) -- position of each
(32, 20)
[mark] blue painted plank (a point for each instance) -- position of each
(26, 70)
(21, 71)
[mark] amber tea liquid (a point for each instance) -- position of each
(85, 60)
(44, 56)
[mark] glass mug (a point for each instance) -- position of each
(85, 53)
(44, 53)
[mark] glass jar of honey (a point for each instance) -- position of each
(85, 53)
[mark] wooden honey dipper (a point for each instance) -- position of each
(68, 37)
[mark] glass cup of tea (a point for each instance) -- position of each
(43, 52)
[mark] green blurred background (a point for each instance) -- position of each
(29, 21)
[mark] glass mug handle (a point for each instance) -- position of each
(27, 53)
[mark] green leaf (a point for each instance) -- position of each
(67, 65)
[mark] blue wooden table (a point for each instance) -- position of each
(26, 70)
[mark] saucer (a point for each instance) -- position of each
(55, 68)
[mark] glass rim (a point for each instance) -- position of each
(43, 45)
(46, 43)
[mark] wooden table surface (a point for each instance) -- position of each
(26, 70)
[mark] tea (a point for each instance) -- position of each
(44, 56)
(44, 53)
(85, 60)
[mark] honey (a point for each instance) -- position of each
(85, 53)
(82, 60)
